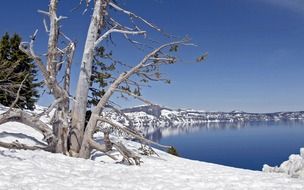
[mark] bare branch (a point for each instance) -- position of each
(28, 119)
(127, 154)
(17, 145)
(132, 15)
(31, 53)
(114, 30)
(70, 55)
(50, 108)
(49, 80)
(122, 114)
(126, 75)
(18, 94)
(166, 59)
(135, 96)
(101, 148)
(66, 37)
(132, 133)
(44, 12)
(45, 26)
(61, 18)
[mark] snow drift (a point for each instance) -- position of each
(294, 166)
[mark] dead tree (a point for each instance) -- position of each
(68, 134)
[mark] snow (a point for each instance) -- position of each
(294, 166)
(168, 113)
(42, 170)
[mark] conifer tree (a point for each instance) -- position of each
(103, 65)
(16, 66)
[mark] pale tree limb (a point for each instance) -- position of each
(134, 42)
(128, 155)
(20, 146)
(101, 148)
(50, 108)
(32, 54)
(132, 15)
(67, 76)
(121, 113)
(27, 119)
(45, 26)
(50, 82)
(114, 30)
(132, 133)
(135, 96)
(126, 75)
(44, 12)
(18, 94)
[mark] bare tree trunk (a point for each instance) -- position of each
(80, 104)
(60, 130)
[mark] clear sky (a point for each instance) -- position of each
(256, 49)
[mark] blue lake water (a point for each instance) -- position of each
(242, 145)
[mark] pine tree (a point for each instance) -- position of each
(15, 66)
(103, 65)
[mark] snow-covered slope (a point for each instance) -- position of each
(42, 170)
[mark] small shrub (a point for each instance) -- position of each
(172, 150)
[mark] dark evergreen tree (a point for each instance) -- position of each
(15, 66)
(103, 65)
(103, 68)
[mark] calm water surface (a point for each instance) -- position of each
(242, 145)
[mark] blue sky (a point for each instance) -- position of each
(255, 47)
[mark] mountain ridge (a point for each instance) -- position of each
(160, 115)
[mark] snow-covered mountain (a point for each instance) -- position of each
(161, 116)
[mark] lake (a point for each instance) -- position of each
(243, 145)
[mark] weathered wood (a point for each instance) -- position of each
(27, 119)
(81, 97)
(127, 154)
(107, 141)
(17, 145)
(18, 94)
(130, 132)
(100, 147)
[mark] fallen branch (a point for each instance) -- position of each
(128, 131)
(28, 119)
(101, 148)
(20, 146)
(135, 96)
(127, 154)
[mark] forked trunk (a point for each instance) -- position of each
(80, 104)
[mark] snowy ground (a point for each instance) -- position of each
(42, 170)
